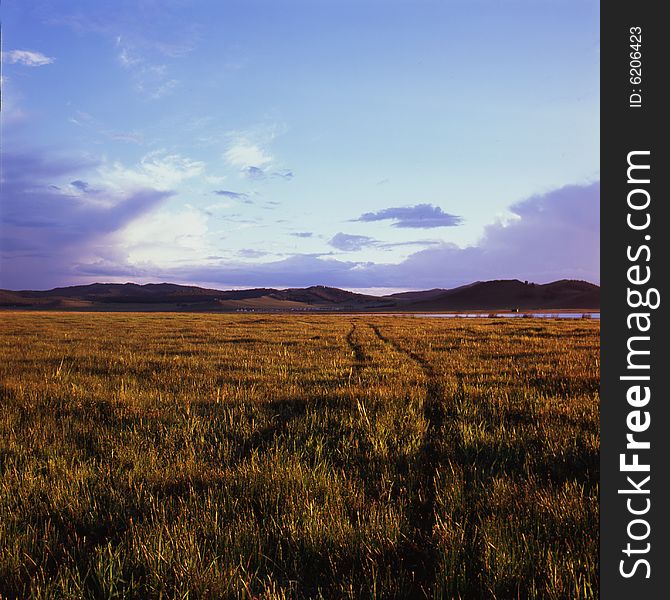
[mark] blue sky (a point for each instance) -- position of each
(372, 144)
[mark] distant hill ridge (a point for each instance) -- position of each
(504, 294)
(512, 293)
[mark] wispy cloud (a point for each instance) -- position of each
(28, 58)
(132, 137)
(283, 174)
(420, 216)
(255, 173)
(263, 173)
(244, 197)
(245, 155)
(81, 118)
(302, 234)
(83, 187)
(85, 120)
(157, 169)
(390, 245)
(249, 152)
(126, 57)
(351, 243)
(150, 78)
(146, 40)
(164, 88)
(251, 253)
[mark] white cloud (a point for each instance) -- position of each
(167, 239)
(81, 118)
(214, 179)
(28, 58)
(164, 88)
(127, 59)
(150, 79)
(156, 170)
(244, 154)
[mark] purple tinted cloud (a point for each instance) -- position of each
(255, 173)
(232, 195)
(295, 271)
(22, 166)
(421, 216)
(259, 173)
(351, 243)
(555, 236)
(388, 245)
(283, 174)
(302, 234)
(48, 231)
(79, 184)
(83, 186)
(251, 253)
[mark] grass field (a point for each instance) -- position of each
(300, 456)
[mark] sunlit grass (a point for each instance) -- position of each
(173, 456)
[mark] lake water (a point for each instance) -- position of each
(505, 315)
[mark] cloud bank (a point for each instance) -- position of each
(58, 230)
(47, 229)
(552, 236)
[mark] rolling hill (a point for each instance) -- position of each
(510, 294)
(481, 295)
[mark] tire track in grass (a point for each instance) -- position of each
(360, 358)
(443, 421)
(286, 411)
(472, 551)
(420, 552)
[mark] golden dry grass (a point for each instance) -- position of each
(259, 456)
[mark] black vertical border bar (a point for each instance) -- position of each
(625, 129)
